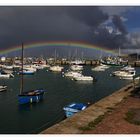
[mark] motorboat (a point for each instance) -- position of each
(6, 75)
(100, 68)
(30, 68)
(128, 70)
(7, 66)
(3, 88)
(76, 67)
(83, 78)
(72, 74)
(128, 75)
(56, 68)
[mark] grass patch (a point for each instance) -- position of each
(130, 117)
(92, 124)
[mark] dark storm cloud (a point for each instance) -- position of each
(64, 23)
(47, 23)
(110, 40)
(91, 16)
(119, 24)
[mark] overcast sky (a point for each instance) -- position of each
(111, 27)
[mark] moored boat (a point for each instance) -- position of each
(56, 68)
(76, 67)
(72, 74)
(3, 88)
(125, 73)
(128, 75)
(26, 72)
(83, 78)
(100, 68)
(7, 66)
(32, 96)
(6, 75)
(73, 108)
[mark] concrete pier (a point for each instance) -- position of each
(73, 124)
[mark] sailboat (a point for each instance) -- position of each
(29, 96)
(56, 68)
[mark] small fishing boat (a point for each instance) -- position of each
(73, 108)
(115, 62)
(32, 96)
(3, 88)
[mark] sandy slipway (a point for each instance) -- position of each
(72, 125)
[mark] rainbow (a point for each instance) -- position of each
(67, 44)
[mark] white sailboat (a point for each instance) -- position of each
(56, 68)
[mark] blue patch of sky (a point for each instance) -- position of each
(133, 19)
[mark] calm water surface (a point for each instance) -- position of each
(60, 92)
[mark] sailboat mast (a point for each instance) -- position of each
(22, 57)
(55, 56)
(119, 52)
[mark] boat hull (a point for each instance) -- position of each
(69, 113)
(113, 65)
(26, 73)
(73, 108)
(25, 99)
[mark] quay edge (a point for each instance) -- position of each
(71, 125)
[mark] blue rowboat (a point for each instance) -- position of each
(73, 108)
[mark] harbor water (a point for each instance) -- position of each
(33, 118)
